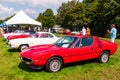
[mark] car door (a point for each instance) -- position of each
(84, 49)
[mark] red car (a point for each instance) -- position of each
(24, 34)
(67, 32)
(67, 50)
(17, 36)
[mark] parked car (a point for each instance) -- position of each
(17, 32)
(25, 34)
(36, 39)
(67, 32)
(67, 50)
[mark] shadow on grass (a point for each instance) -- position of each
(25, 67)
(13, 50)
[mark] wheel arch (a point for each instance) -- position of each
(104, 51)
(56, 56)
(23, 44)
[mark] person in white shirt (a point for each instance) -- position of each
(83, 31)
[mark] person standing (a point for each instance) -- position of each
(112, 32)
(88, 31)
(83, 31)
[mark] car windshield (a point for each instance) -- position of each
(65, 42)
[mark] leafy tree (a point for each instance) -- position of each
(47, 18)
(107, 13)
(1, 21)
(75, 17)
(64, 13)
(97, 14)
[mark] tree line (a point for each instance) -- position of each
(96, 14)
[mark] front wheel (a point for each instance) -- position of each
(54, 64)
(104, 57)
(22, 47)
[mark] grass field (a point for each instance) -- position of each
(11, 68)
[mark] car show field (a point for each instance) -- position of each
(11, 68)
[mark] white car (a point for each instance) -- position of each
(37, 39)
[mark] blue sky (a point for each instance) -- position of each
(31, 7)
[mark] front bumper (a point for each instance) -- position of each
(26, 60)
(38, 63)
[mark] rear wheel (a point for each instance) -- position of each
(22, 47)
(54, 64)
(104, 57)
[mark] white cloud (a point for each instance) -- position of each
(14, 1)
(5, 11)
(43, 3)
(37, 3)
(31, 13)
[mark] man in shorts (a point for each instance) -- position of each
(112, 32)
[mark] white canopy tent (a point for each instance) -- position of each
(22, 18)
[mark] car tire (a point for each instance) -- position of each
(22, 47)
(54, 64)
(104, 57)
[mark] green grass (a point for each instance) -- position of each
(11, 68)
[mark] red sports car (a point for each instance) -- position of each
(67, 50)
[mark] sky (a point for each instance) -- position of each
(31, 7)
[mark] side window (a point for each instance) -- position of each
(84, 42)
(43, 35)
(78, 43)
(87, 41)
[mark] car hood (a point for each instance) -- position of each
(39, 49)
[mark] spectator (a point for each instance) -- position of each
(112, 32)
(83, 31)
(88, 31)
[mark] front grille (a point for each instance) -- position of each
(26, 59)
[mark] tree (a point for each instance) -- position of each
(97, 14)
(63, 14)
(1, 21)
(105, 13)
(47, 18)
